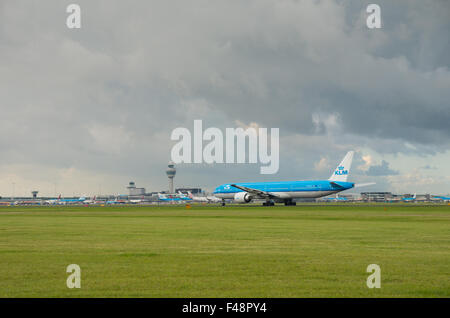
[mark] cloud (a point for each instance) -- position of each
(111, 139)
(322, 165)
(105, 98)
(428, 167)
(415, 181)
(368, 162)
(381, 170)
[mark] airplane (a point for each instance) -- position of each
(115, 201)
(65, 201)
(197, 199)
(183, 197)
(287, 191)
(336, 198)
(135, 201)
(80, 199)
(443, 198)
(413, 198)
(89, 201)
(28, 202)
(213, 199)
(394, 200)
(169, 197)
(53, 201)
(207, 199)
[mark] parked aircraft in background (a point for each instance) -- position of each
(197, 198)
(213, 199)
(443, 198)
(413, 198)
(205, 199)
(135, 201)
(59, 200)
(168, 197)
(116, 201)
(336, 198)
(90, 201)
(183, 196)
(80, 199)
(53, 201)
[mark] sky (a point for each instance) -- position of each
(85, 111)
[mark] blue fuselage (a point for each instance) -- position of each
(287, 189)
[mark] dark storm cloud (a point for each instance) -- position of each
(106, 97)
(381, 170)
(375, 90)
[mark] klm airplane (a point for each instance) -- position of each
(81, 199)
(413, 198)
(441, 198)
(336, 199)
(173, 197)
(287, 191)
(65, 201)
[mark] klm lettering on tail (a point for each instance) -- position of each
(340, 171)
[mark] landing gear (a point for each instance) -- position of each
(268, 203)
(290, 202)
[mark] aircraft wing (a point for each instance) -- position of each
(334, 184)
(257, 192)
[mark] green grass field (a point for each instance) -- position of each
(233, 251)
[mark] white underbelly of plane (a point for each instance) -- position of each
(284, 195)
(302, 194)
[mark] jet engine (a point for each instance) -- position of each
(242, 197)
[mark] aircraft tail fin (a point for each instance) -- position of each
(342, 171)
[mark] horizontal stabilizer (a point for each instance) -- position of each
(359, 185)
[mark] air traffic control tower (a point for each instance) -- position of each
(171, 171)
